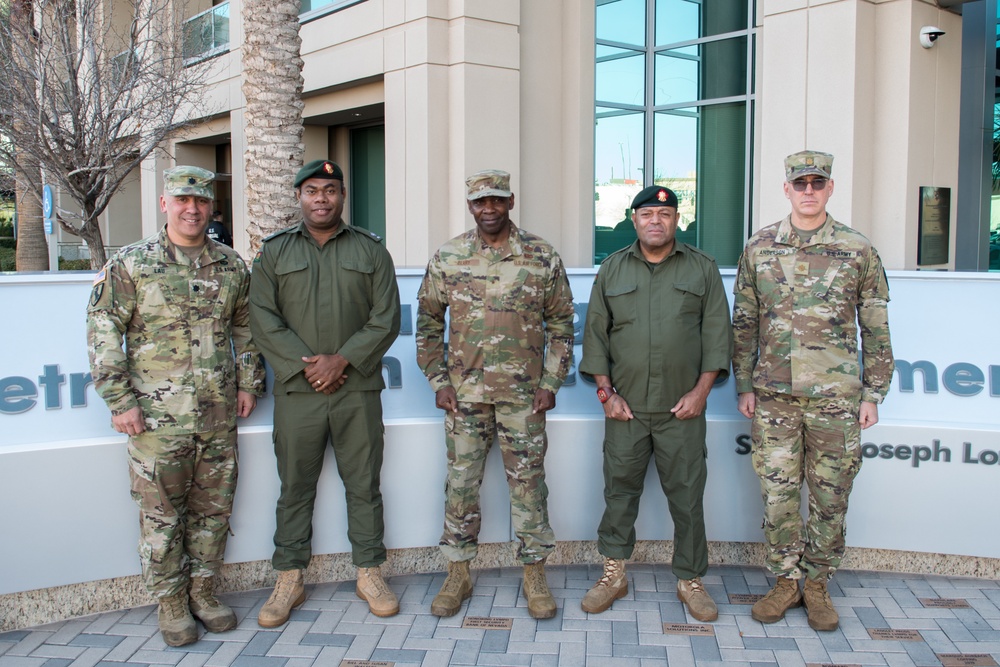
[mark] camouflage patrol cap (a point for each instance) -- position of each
(188, 180)
(488, 183)
(805, 163)
(655, 195)
(319, 169)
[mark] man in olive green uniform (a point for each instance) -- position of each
(324, 308)
(180, 301)
(510, 346)
(657, 337)
(804, 287)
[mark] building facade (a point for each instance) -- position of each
(586, 103)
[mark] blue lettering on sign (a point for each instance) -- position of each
(18, 394)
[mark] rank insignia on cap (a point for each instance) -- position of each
(810, 161)
(192, 180)
(327, 167)
(662, 195)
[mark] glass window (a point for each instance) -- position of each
(206, 34)
(686, 127)
(686, 20)
(994, 238)
(620, 77)
(622, 21)
(313, 9)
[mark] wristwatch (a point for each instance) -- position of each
(604, 394)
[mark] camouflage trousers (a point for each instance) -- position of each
(818, 440)
(469, 434)
(184, 486)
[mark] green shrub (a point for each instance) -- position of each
(7, 260)
(7, 243)
(74, 264)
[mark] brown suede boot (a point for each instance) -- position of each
(822, 615)
(176, 622)
(372, 588)
(772, 607)
(700, 604)
(215, 616)
(289, 592)
(536, 591)
(457, 587)
(612, 585)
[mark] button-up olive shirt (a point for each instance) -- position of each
(655, 328)
(339, 298)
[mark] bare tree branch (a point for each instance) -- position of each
(88, 96)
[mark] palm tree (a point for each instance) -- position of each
(272, 86)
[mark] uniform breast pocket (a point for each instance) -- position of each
(526, 290)
(623, 304)
(688, 296)
(159, 302)
(356, 280)
(292, 275)
(772, 286)
(841, 279)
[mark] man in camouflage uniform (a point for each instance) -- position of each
(180, 301)
(324, 308)
(804, 287)
(509, 349)
(657, 337)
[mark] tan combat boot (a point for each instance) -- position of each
(536, 591)
(612, 585)
(822, 615)
(457, 587)
(373, 589)
(289, 592)
(699, 603)
(176, 622)
(216, 616)
(772, 607)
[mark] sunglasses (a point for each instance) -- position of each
(817, 184)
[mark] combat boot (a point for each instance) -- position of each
(612, 585)
(207, 608)
(536, 591)
(772, 607)
(373, 589)
(457, 587)
(819, 606)
(176, 622)
(289, 592)
(700, 604)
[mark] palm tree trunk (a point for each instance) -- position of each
(272, 86)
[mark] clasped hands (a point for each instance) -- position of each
(325, 372)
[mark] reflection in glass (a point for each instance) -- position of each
(619, 153)
(701, 155)
(621, 79)
(683, 20)
(994, 239)
(622, 21)
(687, 133)
(701, 72)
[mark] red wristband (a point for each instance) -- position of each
(604, 394)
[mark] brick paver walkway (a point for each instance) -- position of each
(949, 616)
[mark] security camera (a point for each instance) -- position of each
(928, 35)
